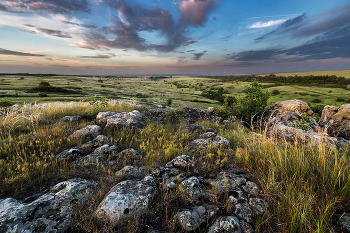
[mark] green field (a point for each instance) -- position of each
(344, 73)
(183, 90)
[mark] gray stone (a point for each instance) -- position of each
(129, 172)
(237, 197)
(345, 222)
(225, 224)
(227, 182)
(246, 227)
(192, 188)
(182, 162)
(92, 159)
(69, 154)
(90, 131)
(114, 120)
(210, 110)
(210, 139)
(71, 119)
(100, 140)
(51, 212)
(129, 153)
(129, 197)
(258, 205)
(243, 211)
(191, 219)
(251, 188)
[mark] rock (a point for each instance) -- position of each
(100, 140)
(51, 212)
(129, 172)
(90, 131)
(129, 197)
(209, 139)
(345, 222)
(226, 224)
(182, 162)
(191, 219)
(107, 149)
(237, 196)
(192, 188)
(92, 159)
(69, 154)
(251, 188)
(292, 134)
(114, 120)
(228, 182)
(246, 227)
(210, 110)
(243, 211)
(193, 128)
(336, 121)
(258, 205)
(129, 153)
(71, 119)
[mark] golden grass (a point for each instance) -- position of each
(343, 73)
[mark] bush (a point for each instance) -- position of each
(218, 94)
(5, 103)
(317, 108)
(169, 102)
(340, 99)
(42, 95)
(44, 84)
(252, 103)
(275, 92)
(316, 100)
(140, 95)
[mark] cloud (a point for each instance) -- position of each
(287, 26)
(254, 55)
(51, 6)
(195, 12)
(90, 26)
(181, 60)
(16, 53)
(197, 56)
(26, 31)
(98, 55)
(56, 33)
(267, 24)
(190, 42)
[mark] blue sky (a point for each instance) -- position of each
(173, 36)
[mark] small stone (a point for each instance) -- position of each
(258, 205)
(195, 128)
(191, 219)
(225, 224)
(192, 188)
(129, 172)
(251, 188)
(129, 153)
(71, 119)
(69, 154)
(210, 110)
(181, 162)
(243, 211)
(90, 131)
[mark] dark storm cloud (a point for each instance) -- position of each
(16, 53)
(100, 56)
(128, 20)
(56, 33)
(89, 26)
(197, 56)
(51, 6)
(287, 26)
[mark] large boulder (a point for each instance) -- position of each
(130, 197)
(336, 120)
(286, 112)
(113, 120)
(226, 224)
(50, 212)
(191, 219)
(90, 131)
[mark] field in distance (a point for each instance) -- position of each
(156, 91)
(343, 73)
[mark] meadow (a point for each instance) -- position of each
(305, 186)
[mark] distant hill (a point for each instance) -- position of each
(343, 73)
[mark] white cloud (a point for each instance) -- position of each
(267, 24)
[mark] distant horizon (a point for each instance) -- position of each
(173, 36)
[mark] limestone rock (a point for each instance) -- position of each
(258, 205)
(69, 154)
(210, 110)
(243, 211)
(71, 119)
(51, 212)
(129, 172)
(100, 140)
(129, 153)
(345, 222)
(209, 139)
(90, 131)
(113, 120)
(228, 182)
(336, 120)
(182, 162)
(129, 197)
(193, 188)
(191, 219)
(226, 224)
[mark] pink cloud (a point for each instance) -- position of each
(195, 11)
(15, 4)
(40, 6)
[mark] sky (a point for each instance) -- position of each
(143, 37)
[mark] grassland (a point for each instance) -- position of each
(305, 186)
(343, 73)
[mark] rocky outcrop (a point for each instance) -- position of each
(129, 197)
(226, 224)
(90, 131)
(336, 120)
(209, 139)
(195, 128)
(130, 172)
(113, 120)
(191, 219)
(287, 112)
(71, 119)
(50, 212)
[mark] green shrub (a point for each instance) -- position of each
(140, 95)
(42, 95)
(169, 102)
(16, 94)
(275, 92)
(218, 94)
(44, 84)
(252, 103)
(340, 99)
(317, 108)
(316, 100)
(5, 103)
